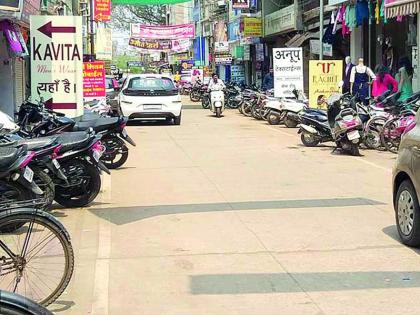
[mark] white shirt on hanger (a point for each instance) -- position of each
(361, 69)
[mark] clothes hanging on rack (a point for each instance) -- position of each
(351, 21)
(362, 11)
(345, 30)
(377, 16)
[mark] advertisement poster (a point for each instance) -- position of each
(240, 4)
(103, 43)
(180, 45)
(102, 10)
(197, 74)
(94, 79)
(150, 44)
(162, 31)
(324, 78)
(288, 71)
(252, 27)
(186, 70)
(57, 77)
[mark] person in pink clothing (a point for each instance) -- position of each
(383, 82)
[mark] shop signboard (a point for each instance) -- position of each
(238, 52)
(10, 5)
(103, 48)
(94, 79)
(162, 31)
(252, 27)
(102, 10)
(240, 4)
(288, 71)
(237, 73)
(247, 52)
(225, 59)
(150, 44)
(283, 20)
(324, 78)
(57, 62)
(135, 64)
(180, 45)
(234, 30)
(221, 47)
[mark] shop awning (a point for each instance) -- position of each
(299, 39)
(395, 8)
(146, 2)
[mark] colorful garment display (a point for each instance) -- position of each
(377, 16)
(351, 21)
(345, 30)
(362, 11)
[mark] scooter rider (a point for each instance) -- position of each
(215, 84)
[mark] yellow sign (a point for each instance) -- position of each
(252, 27)
(324, 79)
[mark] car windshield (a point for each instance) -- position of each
(151, 83)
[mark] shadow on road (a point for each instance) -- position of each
(392, 232)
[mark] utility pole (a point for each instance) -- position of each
(321, 29)
(92, 30)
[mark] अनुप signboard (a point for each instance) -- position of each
(288, 71)
(57, 62)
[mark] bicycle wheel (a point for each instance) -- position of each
(37, 259)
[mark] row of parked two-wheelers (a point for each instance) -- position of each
(46, 156)
(375, 123)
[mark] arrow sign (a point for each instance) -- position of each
(50, 104)
(47, 29)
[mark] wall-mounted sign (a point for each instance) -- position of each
(237, 73)
(102, 10)
(162, 31)
(252, 27)
(324, 76)
(234, 30)
(180, 45)
(247, 52)
(288, 71)
(221, 46)
(134, 64)
(281, 21)
(225, 59)
(259, 52)
(240, 4)
(94, 79)
(57, 62)
(314, 48)
(150, 44)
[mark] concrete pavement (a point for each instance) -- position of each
(233, 216)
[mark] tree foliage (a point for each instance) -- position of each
(123, 15)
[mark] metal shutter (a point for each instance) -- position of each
(20, 86)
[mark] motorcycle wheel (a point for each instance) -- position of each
(354, 149)
(308, 139)
(273, 119)
(218, 112)
(194, 97)
(84, 184)
(246, 109)
(240, 109)
(44, 181)
(116, 152)
(373, 130)
(205, 102)
(290, 123)
(255, 112)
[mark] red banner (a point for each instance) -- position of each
(102, 10)
(94, 79)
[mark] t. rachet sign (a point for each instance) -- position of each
(57, 62)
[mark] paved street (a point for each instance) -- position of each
(233, 216)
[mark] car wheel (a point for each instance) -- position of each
(177, 120)
(407, 214)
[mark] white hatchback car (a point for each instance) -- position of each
(150, 96)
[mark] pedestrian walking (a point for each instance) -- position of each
(405, 78)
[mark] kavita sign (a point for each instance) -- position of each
(57, 62)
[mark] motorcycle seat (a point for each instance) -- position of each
(38, 143)
(9, 154)
(98, 125)
(74, 140)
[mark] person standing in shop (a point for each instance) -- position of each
(383, 82)
(405, 78)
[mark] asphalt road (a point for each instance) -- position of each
(233, 216)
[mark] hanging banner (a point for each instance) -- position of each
(147, 2)
(240, 4)
(94, 79)
(57, 62)
(288, 71)
(103, 46)
(180, 45)
(162, 31)
(252, 27)
(150, 44)
(102, 10)
(324, 78)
